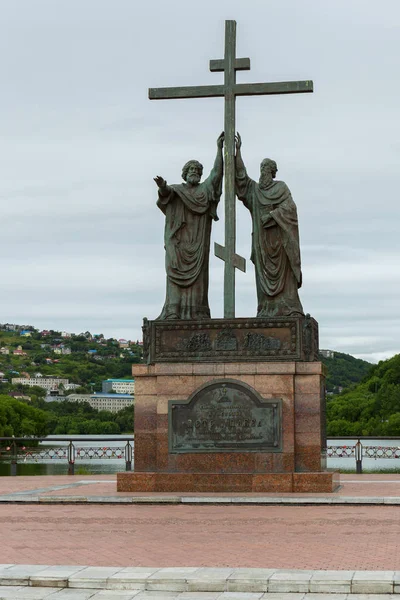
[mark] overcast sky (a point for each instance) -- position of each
(81, 236)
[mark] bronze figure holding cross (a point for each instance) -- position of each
(229, 91)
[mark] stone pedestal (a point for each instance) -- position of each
(296, 465)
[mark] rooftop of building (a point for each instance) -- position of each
(121, 380)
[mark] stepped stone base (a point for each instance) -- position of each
(323, 482)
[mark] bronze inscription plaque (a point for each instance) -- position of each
(231, 340)
(225, 416)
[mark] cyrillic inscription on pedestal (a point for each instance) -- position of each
(220, 340)
(225, 416)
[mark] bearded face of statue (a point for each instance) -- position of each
(193, 175)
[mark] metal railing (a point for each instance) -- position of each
(22, 449)
(359, 450)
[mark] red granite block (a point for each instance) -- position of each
(145, 452)
(248, 368)
(308, 438)
(172, 385)
(263, 463)
(272, 482)
(222, 482)
(314, 482)
(139, 370)
(276, 368)
(306, 404)
(173, 368)
(307, 384)
(145, 386)
(310, 368)
(174, 482)
(274, 385)
(288, 462)
(308, 423)
(224, 462)
(205, 369)
(136, 482)
(308, 458)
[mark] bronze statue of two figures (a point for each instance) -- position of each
(189, 210)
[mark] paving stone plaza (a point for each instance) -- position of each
(77, 538)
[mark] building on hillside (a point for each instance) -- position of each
(61, 349)
(1, 375)
(327, 353)
(48, 383)
(26, 333)
(123, 343)
(119, 386)
(45, 333)
(71, 386)
(110, 402)
(19, 352)
(19, 396)
(4, 350)
(66, 334)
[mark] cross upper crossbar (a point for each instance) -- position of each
(230, 90)
(239, 89)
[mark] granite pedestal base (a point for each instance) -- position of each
(298, 466)
(323, 482)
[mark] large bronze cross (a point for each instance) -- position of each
(229, 90)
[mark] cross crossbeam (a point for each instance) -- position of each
(229, 90)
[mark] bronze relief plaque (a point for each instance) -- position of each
(225, 416)
(220, 340)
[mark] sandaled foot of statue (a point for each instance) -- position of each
(189, 210)
(275, 241)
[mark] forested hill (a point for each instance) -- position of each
(372, 407)
(344, 371)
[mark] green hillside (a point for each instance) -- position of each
(91, 360)
(84, 360)
(372, 407)
(343, 371)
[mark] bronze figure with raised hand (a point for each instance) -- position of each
(275, 239)
(189, 209)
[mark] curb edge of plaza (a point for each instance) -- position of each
(207, 500)
(202, 579)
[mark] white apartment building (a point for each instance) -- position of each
(119, 386)
(48, 383)
(111, 402)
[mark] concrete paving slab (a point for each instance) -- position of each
(20, 574)
(172, 579)
(131, 578)
(56, 576)
(209, 580)
(249, 580)
(92, 577)
(290, 581)
(373, 582)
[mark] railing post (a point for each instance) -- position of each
(128, 456)
(71, 459)
(358, 455)
(14, 459)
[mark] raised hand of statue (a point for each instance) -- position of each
(238, 141)
(160, 181)
(220, 140)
